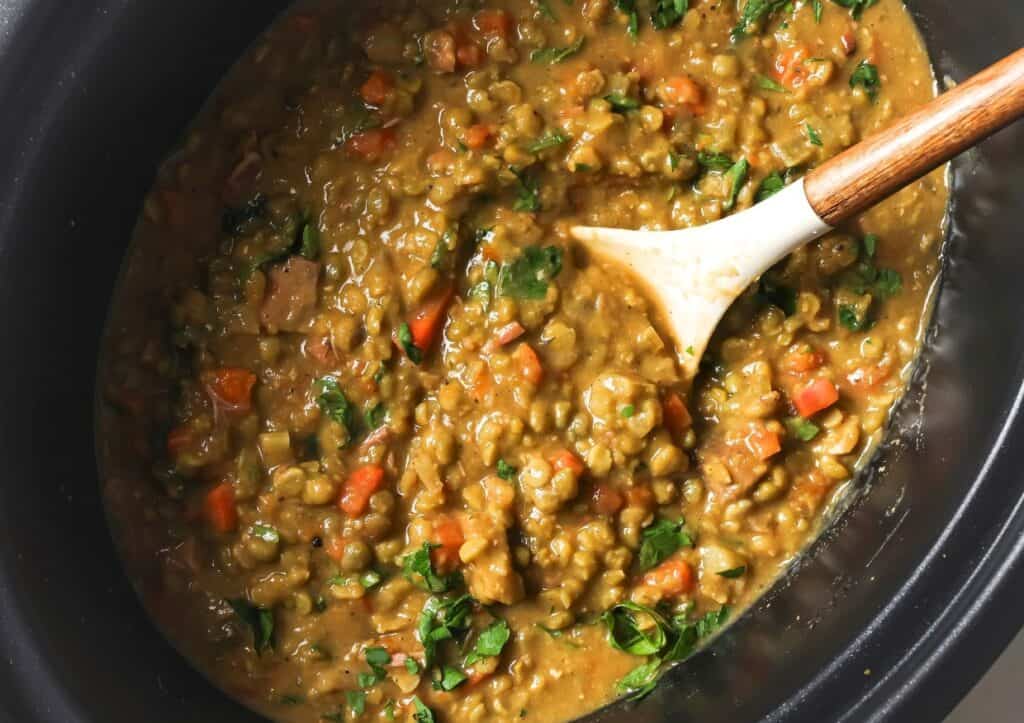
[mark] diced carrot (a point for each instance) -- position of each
(179, 439)
(789, 66)
(764, 442)
(360, 485)
(505, 335)
(372, 144)
(867, 377)
(672, 577)
(440, 160)
(800, 362)
(681, 90)
(819, 394)
(447, 534)
(232, 387)
(470, 55)
(490, 253)
(849, 42)
(377, 88)
(564, 459)
(482, 384)
(477, 136)
(319, 348)
(607, 500)
(219, 508)
(493, 23)
(676, 415)
(334, 547)
(439, 49)
(427, 322)
(529, 363)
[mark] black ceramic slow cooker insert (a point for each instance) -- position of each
(891, 616)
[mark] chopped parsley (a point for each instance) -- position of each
(260, 620)
(490, 642)
(451, 678)
(627, 411)
(866, 76)
(412, 351)
(545, 9)
(737, 176)
(375, 415)
(333, 402)
(441, 620)
(412, 666)
(527, 193)
(754, 12)
(713, 161)
(766, 83)
(621, 102)
(628, 7)
(356, 701)
(853, 317)
(660, 540)
(551, 140)
(506, 471)
(309, 241)
(376, 658)
(733, 572)
(551, 56)
(419, 570)
(423, 714)
(770, 185)
(812, 135)
(803, 429)
(667, 13)
(869, 245)
(528, 276)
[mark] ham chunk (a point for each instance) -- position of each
(291, 295)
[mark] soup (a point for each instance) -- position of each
(381, 442)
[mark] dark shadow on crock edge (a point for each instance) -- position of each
(892, 615)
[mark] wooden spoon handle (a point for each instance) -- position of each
(871, 170)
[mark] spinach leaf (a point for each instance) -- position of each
(628, 7)
(441, 620)
(641, 680)
(866, 76)
(527, 277)
(411, 350)
(419, 570)
(713, 161)
(772, 184)
(333, 402)
(627, 631)
(660, 540)
(423, 714)
(667, 13)
(490, 642)
(260, 620)
(527, 193)
(621, 102)
(753, 12)
(451, 678)
(556, 55)
(737, 176)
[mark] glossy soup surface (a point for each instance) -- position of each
(380, 442)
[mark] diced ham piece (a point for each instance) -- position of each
(291, 296)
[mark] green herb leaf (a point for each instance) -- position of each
(816, 4)
(412, 666)
(733, 572)
(375, 415)
(628, 7)
(490, 642)
(356, 701)
(856, 7)
(411, 350)
(309, 245)
(556, 55)
(712, 621)
(770, 293)
(265, 533)
(869, 245)
(812, 135)
(753, 12)
(441, 620)
(370, 579)
(260, 620)
(660, 540)
(853, 318)
(772, 184)
(419, 570)
(641, 680)
(423, 714)
(545, 9)
(451, 678)
(333, 402)
(481, 291)
(803, 429)
(527, 194)
(766, 83)
(667, 13)
(737, 176)
(528, 276)
(866, 76)
(506, 471)
(552, 140)
(626, 632)
(888, 283)
(713, 161)
(235, 218)
(389, 710)
(627, 411)
(621, 102)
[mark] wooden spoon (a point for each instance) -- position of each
(697, 273)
